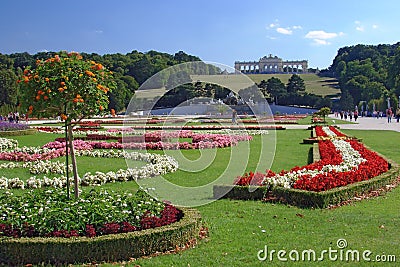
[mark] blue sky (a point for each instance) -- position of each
(217, 31)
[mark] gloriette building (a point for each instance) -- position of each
(272, 64)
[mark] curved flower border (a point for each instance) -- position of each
(157, 165)
(342, 162)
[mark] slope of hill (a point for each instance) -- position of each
(322, 86)
(315, 84)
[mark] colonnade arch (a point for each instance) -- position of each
(272, 65)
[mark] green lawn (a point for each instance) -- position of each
(322, 86)
(239, 229)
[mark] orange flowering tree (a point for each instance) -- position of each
(66, 86)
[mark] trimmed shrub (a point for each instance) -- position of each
(17, 132)
(113, 247)
(310, 199)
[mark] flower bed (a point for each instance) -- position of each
(51, 214)
(121, 226)
(15, 129)
(317, 120)
(7, 126)
(160, 140)
(36, 160)
(342, 163)
(208, 127)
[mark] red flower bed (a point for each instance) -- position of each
(374, 166)
(320, 132)
(252, 178)
(169, 215)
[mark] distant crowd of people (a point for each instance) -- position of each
(389, 114)
(13, 117)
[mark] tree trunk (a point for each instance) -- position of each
(73, 159)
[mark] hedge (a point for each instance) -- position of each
(17, 133)
(310, 199)
(107, 248)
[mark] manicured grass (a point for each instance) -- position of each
(239, 229)
(322, 86)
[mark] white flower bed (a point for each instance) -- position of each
(157, 165)
(8, 144)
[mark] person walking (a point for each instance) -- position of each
(234, 116)
(16, 115)
(398, 114)
(389, 114)
(355, 115)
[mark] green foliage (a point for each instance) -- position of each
(65, 84)
(325, 111)
(310, 199)
(368, 72)
(293, 94)
(17, 133)
(8, 88)
(130, 70)
(295, 84)
(115, 247)
(274, 88)
(7, 108)
(49, 210)
(346, 101)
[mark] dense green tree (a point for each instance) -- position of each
(181, 57)
(323, 102)
(131, 69)
(8, 88)
(221, 92)
(295, 84)
(22, 60)
(263, 87)
(368, 72)
(276, 88)
(346, 101)
(324, 111)
(355, 87)
(6, 62)
(251, 93)
(372, 90)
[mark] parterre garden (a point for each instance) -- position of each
(114, 221)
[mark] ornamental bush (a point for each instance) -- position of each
(66, 86)
(98, 212)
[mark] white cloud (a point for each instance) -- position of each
(360, 28)
(98, 31)
(272, 25)
(321, 42)
(298, 27)
(375, 26)
(286, 31)
(322, 35)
